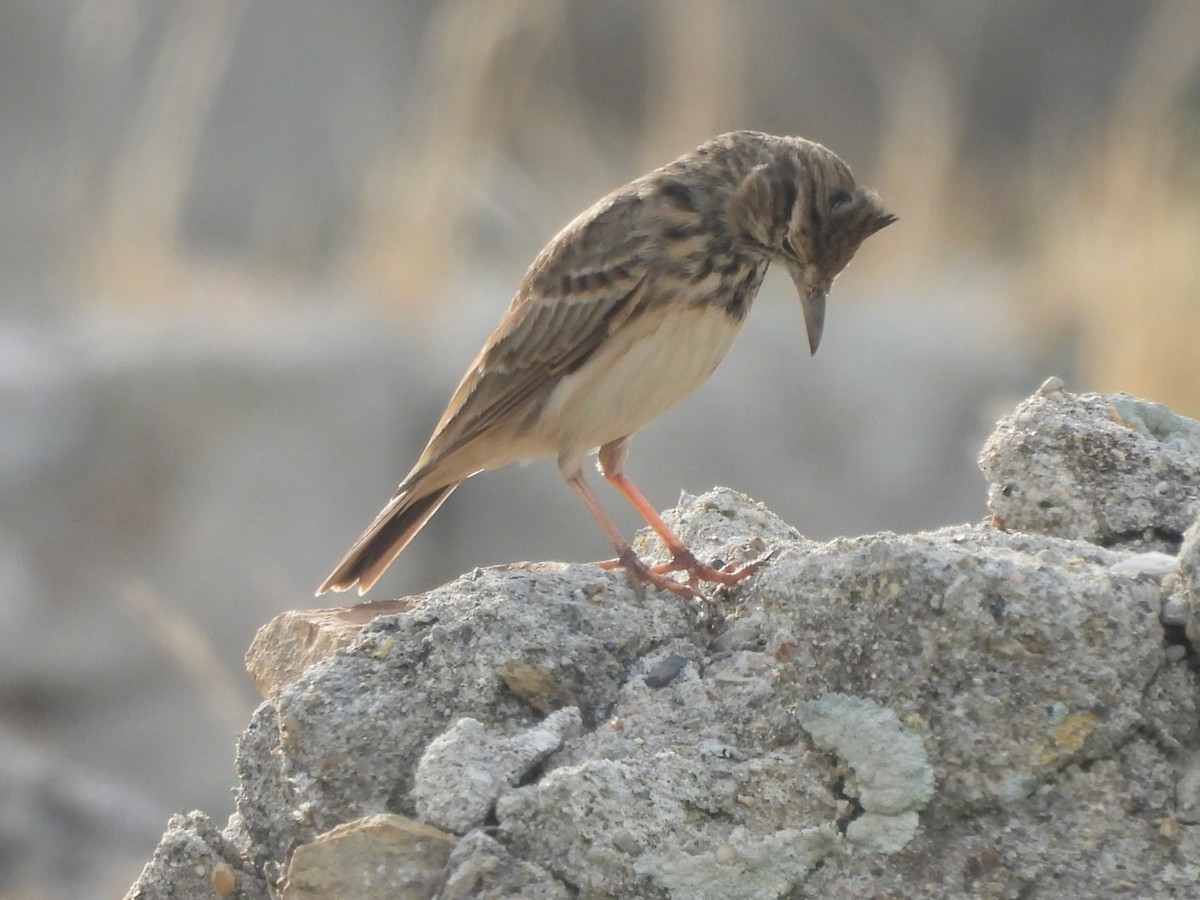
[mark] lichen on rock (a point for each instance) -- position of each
(999, 708)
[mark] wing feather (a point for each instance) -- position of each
(569, 302)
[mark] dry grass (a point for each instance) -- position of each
(135, 252)
(916, 80)
(1117, 254)
(1111, 241)
(479, 62)
(187, 644)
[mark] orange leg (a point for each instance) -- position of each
(612, 465)
(681, 557)
(638, 571)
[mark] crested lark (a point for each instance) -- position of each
(624, 313)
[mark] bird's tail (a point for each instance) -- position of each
(396, 525)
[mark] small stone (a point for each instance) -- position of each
(1175, 611)
(1187, 794)
(740, 637)
(464, 769)
(382, 647)
(223, 879)
(1152, 563)
(665, 671)
(1051, 385)
(624, 841)
(536, 685)
(294, 641)
(372, 858)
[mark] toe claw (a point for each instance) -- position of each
(683, 561)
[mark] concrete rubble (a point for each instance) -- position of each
(1000, 709)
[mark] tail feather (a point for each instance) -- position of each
(396, 525)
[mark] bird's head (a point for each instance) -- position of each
(803, 208)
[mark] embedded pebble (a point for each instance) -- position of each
(1152, 563)
(665, 670)
(739, 637)
(1175, 611)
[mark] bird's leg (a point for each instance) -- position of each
(638, 571)
(681, 557)
(612, 458)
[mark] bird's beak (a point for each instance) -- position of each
(883, 220)
(813, 304)
(812, 291)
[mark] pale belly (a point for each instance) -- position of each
(643, 370)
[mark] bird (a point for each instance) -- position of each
(625, 312)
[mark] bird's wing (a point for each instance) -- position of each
(581, 288)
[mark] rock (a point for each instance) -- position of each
(1182, 588)
(380, 857)
(217, 466)
(971, 638)
(464, 770)
(1187, 792)
(302, 772)
(481, 866)
(295, 641)
(972, 711)
(893, 775)
(1106, 468)
(194, 861)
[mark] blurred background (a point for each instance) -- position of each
(247, 249)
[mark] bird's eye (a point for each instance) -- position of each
(839, 197)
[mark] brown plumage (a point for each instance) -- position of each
(626, 311)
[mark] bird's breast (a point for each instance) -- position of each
(648, 365)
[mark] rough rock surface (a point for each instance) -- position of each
(380, 857)
(1106, 468)
(293, 641)
(978, 711)
(1183, 585)
(194, 859)
(192, 475)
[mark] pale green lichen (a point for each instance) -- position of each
(893, 778)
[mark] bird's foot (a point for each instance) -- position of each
(639, 573)
(682, 560)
